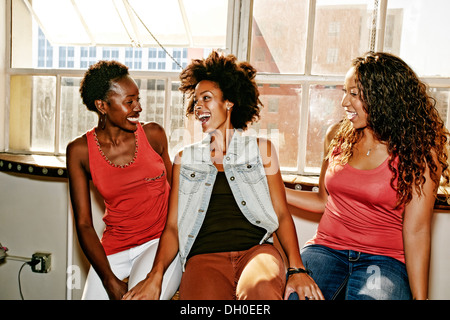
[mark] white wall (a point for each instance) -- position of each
(35, 216)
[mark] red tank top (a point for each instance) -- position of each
(135, 195)
(361, 212)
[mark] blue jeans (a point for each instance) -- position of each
(352, 275)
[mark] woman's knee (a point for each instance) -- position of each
(263, 275)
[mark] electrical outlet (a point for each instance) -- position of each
(41, 262)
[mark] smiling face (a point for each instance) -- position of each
(210, 108)
(123, 106)
(352, 103)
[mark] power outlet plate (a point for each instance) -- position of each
(42, 262)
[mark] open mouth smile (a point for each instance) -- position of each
(133, 119)
(351, 115)
(204, 117)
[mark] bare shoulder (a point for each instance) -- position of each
(156, 136)
(331, 131)
(269, 156)
(265, 146)
(153, 128)
(77, 145)
(178, 156)
(77, 153)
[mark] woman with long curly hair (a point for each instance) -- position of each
(378, 186)
(228, 199)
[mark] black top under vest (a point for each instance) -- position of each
(225, 228)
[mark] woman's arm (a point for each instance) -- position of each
(309, 200)
(301, 283)
(77, 162)
(417, 237)
(150, 287)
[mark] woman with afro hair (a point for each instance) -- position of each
(129, 164)
(378, 186)
(228, 199)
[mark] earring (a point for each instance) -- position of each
(228, 107)
(103, 120)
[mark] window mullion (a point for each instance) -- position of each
(381, 24)
(241, 26)
(168, 106)
(57, 114)
(310, 36)
(304, 108)
(303, 128)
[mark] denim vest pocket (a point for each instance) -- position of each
(250, 172)
(191, 179)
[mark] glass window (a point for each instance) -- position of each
(301, 62)
(280, 119)
(84, 32)
(314, 54)
(341, 33)
(324, 111)
(75, 118)
(279, 31)
(442, 97)
(32, 97)
(417, 31)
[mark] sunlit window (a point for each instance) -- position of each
(155, 42)
(300, 48)
(308, 56)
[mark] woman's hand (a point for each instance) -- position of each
(116, 289)
(147, 289)
(305, 287)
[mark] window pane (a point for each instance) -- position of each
(177, 130)
(152, 94)
(76, 119)
(417, 31)
(341, 34)
(280, 120)
(324, 110)
(442, 96)
(32, 97)
(278, 42)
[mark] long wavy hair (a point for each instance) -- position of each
(402, 115)
(235, 79)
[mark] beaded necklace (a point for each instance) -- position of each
(112, 163)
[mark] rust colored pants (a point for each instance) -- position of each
(254, 274)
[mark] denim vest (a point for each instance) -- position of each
(245, 173)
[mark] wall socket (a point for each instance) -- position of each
(41, 262)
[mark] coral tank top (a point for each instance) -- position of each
(135, 195)
(360, 214)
